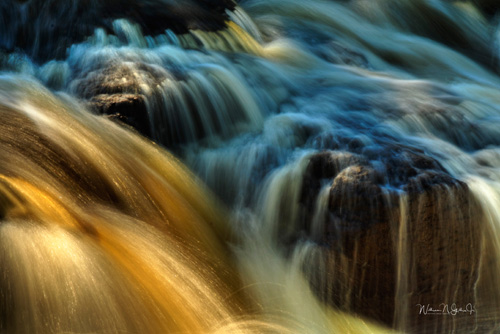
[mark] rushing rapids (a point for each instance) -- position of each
(335, 166)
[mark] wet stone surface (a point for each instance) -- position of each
(397, 222)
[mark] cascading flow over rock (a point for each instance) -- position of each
(353, 146)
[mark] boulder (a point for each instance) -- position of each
(117, 91)
(116, 78)
(129, 109)
(398, 232)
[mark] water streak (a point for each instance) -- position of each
(353, 145)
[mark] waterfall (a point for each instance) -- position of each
(277, 166)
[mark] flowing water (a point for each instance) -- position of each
(334, 168)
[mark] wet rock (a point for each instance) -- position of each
(129, 109)
(322, 166)
(442, 249)
(392, 243)
(44, 29)
(181, 109)
(361, 183)
(117, 91)
(119, 78)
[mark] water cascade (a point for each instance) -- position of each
(277, 166)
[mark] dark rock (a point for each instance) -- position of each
(116, 90)
(443, 250)
(356, 196)
(44, 29)
(126, 108)
(119, 78)
(111, 80)
(325, 165)
(392, 243)
(180, 109)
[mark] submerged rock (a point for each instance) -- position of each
(393, 243)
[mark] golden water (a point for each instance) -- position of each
(103, 231)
